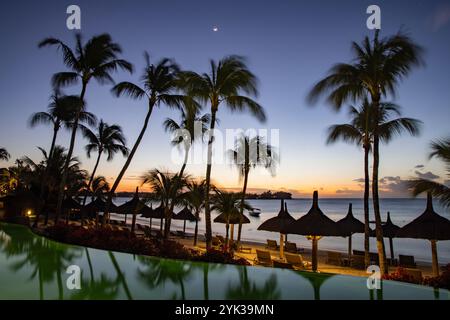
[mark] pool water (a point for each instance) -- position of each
(33, 267)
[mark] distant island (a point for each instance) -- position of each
(264, 195)
(269, 195)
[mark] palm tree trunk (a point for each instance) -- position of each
(44, 178)
(244, 190)
(196, 227)
(366, 207)
(186, 156)
(434, 258)
(69, 156)
(376, 207)
(227, 236)
(120, 276)
(90, 183)
(208, 230)
(151, 104)
(314, 253)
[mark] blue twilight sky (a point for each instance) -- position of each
(289, 45)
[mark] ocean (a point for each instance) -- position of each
(402, 212)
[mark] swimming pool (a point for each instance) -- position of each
(33, 267)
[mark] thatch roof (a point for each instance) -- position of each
(314, 223)
(147, 212)
(98, 205)
(234, 219)
(135, 204)
(349, 224)
(389, 229)
(429, 225)
(279, 222)
(158, 212)
(185, 214)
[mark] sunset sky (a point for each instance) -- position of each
(289, 46)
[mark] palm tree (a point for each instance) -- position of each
(376, 70)
(190, 128)
(61, 112)
(4, 155)
(228, 204)
(194, 198)
(229, 82)
(251, 152)
(159, 86)
(441, 150)
(108, 139)
(96, 59)
(360, 131)
(167, 188)
(99, 188)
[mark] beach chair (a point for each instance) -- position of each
(272, 245)
(358, 262)
(296, 260)
(334, 258)
(292, 247)
(282, 265)
(358, 253)
(406, 261)
(415, 274)
(374, 258)
(263, 258)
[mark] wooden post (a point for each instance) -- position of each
(184, 227)
(434, 258)
(125, 219)
(350, 250)
(281, 246)
(231, 232)
(314, 253)
(391, 247)
(150, 225)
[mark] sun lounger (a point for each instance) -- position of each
(272, 245)
(406, 261)
(282, 265)
(358, 262)
(296, 260)
(415, 274)
(334, 258)
(292, 248)
(263, 258)
(358, 253)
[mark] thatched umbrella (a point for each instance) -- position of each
(160, 213)
(184, 215)
(98, 205)
(429, 225)
(278, 224)
(314, 225)
(348, 226)
(233, 219)
(132, 206)
(148, 212)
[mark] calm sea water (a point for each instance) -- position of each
(402, 212)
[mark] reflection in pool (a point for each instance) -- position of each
(32, 267)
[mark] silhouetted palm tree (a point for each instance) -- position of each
(96, 59)
(376, 71)
(167, 188)
(190, 128)
(4, 155)
(360, 131)
(441, 150)
(159, 86)
(228, 204)
(61, 112)
(108, 139)
(224, 85)
(195, 197)
(251, 152)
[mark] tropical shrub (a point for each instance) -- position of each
(401, 275)
(441, 281)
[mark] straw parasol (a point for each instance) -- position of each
(160, 213)
(314, 225)
(429, 225)
(148, 212)
(184, 215)
(348, 226)
(278, 224)
(70, 203)
(98, 205)
(234, 219)
(132, 206)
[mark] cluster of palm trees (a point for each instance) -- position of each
(376, 69)
(229, 83)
